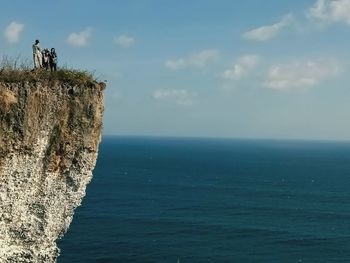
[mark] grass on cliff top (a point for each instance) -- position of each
(19, 70)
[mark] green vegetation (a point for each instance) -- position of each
(14, 70)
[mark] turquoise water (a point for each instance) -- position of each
(201, 200)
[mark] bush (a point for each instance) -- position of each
(14, 70)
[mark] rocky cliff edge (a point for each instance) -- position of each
(49, 137)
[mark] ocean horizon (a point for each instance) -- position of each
(162, 199)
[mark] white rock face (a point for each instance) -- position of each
(49, 136)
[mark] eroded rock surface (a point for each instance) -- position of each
(49, 137)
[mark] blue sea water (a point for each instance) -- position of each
(205, 200)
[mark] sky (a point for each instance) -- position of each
(267, 69)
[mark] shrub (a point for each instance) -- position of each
(14, 70)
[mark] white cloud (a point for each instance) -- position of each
(242, 68)
(177, 96)
(124, 41)
(265, 33)
(301, 74)
(204, 57)
(80, 39)
(176, 64)
(13, 32)
(331, 11)
(197, 60)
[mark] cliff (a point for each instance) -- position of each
(49, 136)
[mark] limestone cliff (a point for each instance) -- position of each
(49, 137)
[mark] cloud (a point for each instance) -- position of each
(331, 11)
(265, 33)
(80, 39)
(244, 65)
(13, 32)
(177, 96)
(124, 41)
(176, 64)
(197, 60)
(301, 74)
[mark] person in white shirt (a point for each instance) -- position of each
(37, 57)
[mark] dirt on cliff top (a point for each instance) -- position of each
(68, 76)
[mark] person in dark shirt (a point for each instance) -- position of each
(46, 58)
(53, 60)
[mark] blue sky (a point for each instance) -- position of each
(201, 68)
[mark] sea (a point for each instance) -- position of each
(192, 200)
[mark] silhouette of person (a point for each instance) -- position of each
(53, 60)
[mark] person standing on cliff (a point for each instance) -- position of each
(37, 57)
(45, 61)
(53, 60)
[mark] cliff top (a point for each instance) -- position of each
(11, 71)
